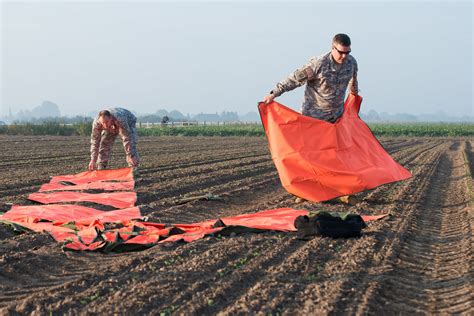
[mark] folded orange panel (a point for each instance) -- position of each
(318, 160)
(59, 212)
(281, 219)
(368, 218)
(97, 185)
(115, 199)
(124, 174)
(278, 219)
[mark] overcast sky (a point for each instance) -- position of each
(414, 56)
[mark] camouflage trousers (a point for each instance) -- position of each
(105, 149)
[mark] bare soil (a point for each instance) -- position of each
(417, 261)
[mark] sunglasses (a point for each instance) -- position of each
(341, 52)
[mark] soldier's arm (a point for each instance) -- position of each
(296, 79)
(354, 84)
(95, 139)
(128, 137)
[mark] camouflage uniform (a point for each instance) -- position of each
(326, 84)
(102, 139)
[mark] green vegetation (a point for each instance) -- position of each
(49, 128)
(422, 129)
(379, 129)
(208, 130)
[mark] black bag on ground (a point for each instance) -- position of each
(329, 225)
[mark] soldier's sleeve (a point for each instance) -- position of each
(296, 79)
(95, 139)
(353, 83)
(128, 134)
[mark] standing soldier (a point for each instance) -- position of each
(327, 78)
(105, 128)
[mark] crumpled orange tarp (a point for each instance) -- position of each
(115, 199)
(81, 228)
(318, 160)
(68, 222)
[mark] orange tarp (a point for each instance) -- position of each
(115, 199)
(97, 185)
(318, 160)
(108, 180)
(82, 228)
(124, 174)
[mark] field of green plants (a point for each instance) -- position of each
(379, 129)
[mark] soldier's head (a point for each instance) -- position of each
(341, 47)
(106, 119)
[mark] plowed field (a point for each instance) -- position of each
(419, 260)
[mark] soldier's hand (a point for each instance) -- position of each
(91, 165)
(133, 161)
(268, 98)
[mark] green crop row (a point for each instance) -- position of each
(423, 129)
(379, 129)
(50, 128)
(222, 130)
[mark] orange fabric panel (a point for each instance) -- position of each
(64, 213)
(368, 218)
(54, 212)
(281, 219)
(97, 185)
(115, 199)
(318, 160)
(124, 174)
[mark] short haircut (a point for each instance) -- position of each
(105, 113)
(342, 39)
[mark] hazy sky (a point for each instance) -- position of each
(414, 56)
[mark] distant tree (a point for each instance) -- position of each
(176, 115)
(46, 109)
(229, 116)
(206, 117)
(149, 118)
(250, 117)
(162, 113)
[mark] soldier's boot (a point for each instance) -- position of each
(350, 199)
(299, 200)
(136, 172)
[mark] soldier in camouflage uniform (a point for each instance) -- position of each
(105, 128)
(327, 78)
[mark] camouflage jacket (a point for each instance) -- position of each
(326, 85)
(125, 126)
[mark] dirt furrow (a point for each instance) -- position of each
(418, 260)
(432, 263)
